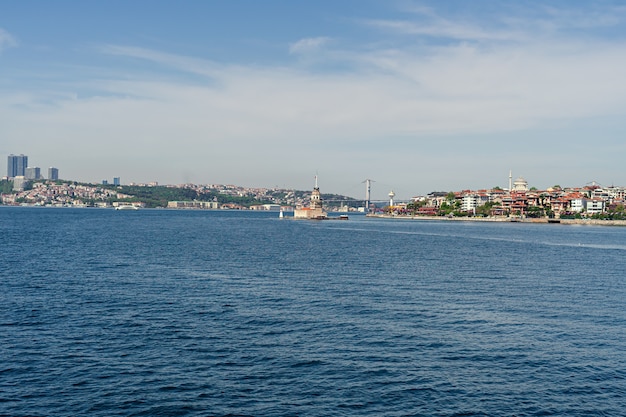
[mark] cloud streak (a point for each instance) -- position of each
(6, 40)
(187, 64)
(442, 28)
(517, 24)
(308, 44)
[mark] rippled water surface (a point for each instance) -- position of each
(185, 313)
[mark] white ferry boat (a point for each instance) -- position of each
(126, 207)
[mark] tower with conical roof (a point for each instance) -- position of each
(315, 209)
(316, 197)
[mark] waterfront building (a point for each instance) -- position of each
(615, 193)
(266, 207)
(594, 206)
(16, 165)
(32, 173)
(469, 202)
(577, 204)
(53, 173)
(193, 204)
(515, 203)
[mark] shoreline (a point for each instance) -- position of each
(589, 222)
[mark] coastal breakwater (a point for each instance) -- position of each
(589, 222)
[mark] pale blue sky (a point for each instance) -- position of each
(417, 95)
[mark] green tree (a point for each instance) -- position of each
(6, 187)
(413, 206)
(485, 209)
(535, 212)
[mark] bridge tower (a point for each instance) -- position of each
(368, 185)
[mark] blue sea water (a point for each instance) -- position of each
(224, 313)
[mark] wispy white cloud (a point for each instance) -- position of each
(6, 40)
(187, 64)
(556, 19)
(442, 28)
(518, 24)
(308, 44)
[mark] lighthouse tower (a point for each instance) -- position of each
(391, 196)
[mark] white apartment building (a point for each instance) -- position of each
(577, 205)
(469, 202)
(594, 206)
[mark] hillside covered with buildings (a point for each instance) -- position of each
(520, 201)
(59, 193)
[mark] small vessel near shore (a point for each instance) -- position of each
(127, 207)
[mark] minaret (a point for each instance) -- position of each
(391, 196)
(510, 180)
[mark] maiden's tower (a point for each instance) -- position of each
(315, 210)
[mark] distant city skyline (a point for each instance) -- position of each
(520, 182)
(415, 95)
(17, 165)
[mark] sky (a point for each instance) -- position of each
(417, 96)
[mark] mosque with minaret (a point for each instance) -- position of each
(520, 184)
(315, 211)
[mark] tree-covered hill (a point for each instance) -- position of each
(158, 196)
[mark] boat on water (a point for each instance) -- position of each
(126, 207)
